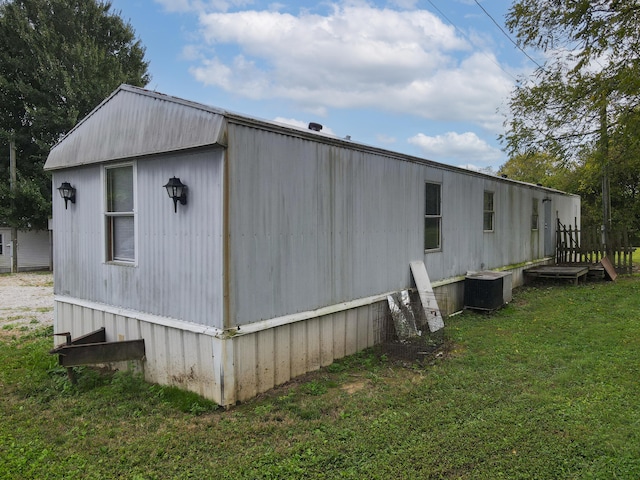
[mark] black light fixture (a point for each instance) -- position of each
(68, 193)
(177, 192)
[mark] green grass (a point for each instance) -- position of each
(545, 388)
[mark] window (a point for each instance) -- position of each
(534, 214)
(1, 245)
(432, 216)
(488, 212)
(119, 214)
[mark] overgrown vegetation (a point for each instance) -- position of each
(544, 388)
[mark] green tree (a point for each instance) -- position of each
(592, 67)
(58, 60)
(534, 168)
(581, 105)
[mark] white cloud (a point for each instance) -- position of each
(465, 147)
(355, 56)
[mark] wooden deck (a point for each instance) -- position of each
(570, 272)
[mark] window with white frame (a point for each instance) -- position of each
(432, 216)
(489, 213)
(120, 213)
(534, 214)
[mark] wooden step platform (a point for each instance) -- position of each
(569, 272)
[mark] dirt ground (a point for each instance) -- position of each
(26, 301)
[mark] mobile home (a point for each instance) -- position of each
(285, 244)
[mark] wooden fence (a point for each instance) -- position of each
(586, 246)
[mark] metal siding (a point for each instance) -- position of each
(299, 349)
(326, 342)
(130, 124)
(259, 368)
(314, 224)
(179, 255)
(266, 364)
(282, 356)
(246, 361)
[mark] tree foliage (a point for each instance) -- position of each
(534, 168)
(58, 60)
(592, 50)
(582, 106)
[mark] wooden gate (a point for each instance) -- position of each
(586, 246)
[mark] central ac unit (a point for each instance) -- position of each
(487, 290)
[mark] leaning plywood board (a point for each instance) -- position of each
(608, 268)
(427, 297)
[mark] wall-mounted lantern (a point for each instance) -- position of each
(177, 191)
(68, 193)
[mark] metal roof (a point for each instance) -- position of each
(134, 122)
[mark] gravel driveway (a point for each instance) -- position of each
(26, 301)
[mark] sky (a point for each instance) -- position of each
(428, 78)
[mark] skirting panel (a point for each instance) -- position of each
(274, 356)
(172, 356)
(235, 367)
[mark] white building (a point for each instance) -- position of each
(33, 250)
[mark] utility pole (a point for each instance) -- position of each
(606, 186)
(14, 186)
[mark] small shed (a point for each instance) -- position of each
(281, 258)
(33, 250)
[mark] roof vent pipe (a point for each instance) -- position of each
(316, 127)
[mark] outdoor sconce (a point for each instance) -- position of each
(68, 193)
(177, 192)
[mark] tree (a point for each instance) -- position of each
(58, 60)
(533, 168)
(592, 68)
(580, 105)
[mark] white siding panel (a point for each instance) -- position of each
(308, 343)
(160, 350)
(179, 255)
(176, 369)
(246, 365)
(282, 354)
(266, 365)
(326, 340)
(363, 328)
(313, 344)
(351, 332)
(339, 334)
(299, 349)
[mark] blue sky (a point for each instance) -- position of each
(426, 78)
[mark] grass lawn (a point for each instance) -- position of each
(545, 388)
